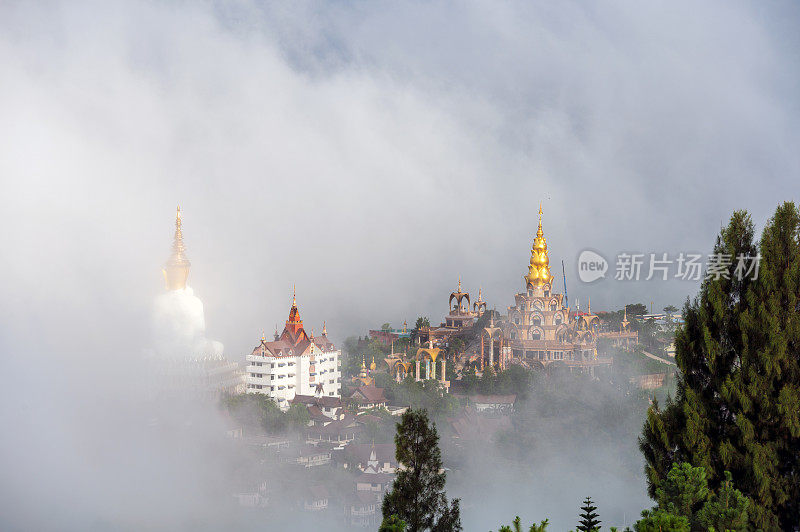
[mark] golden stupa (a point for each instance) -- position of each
(176, 270)
(539, 268)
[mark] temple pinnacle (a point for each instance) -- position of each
(176, 270)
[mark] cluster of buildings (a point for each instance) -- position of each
(294, 367)
(538, 329)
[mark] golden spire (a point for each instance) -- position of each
(176, 270)
(363, 372)
(373, 365)
(324, 329)
(479, 294)
(294, 296)
(590, 305)
(459, 284)
(539, 268)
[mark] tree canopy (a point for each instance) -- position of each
(417, 495)
(737, 406)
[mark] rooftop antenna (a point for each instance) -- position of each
(564, 274)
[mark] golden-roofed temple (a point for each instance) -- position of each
(176, 270)
(540, 328)
(422, 366)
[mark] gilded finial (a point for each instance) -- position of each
(539, 267)
(294, 296)
(459, 283)
(324, 329)
(176, 270)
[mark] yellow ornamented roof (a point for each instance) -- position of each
(539, 267)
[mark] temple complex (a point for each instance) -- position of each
(539, 328)
(460, 318)
(294, 363)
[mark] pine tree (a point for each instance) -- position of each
(725, 510)
(417, 496)
(737, 406)
(392, 524)
(589, 518)
(516, 526)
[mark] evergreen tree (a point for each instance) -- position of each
(737, 406)
(661, 521)
(686, 503)
(516, 526)
(589, 518)
(417, 496)
(684, 491)
(392, 524)
(725, 510)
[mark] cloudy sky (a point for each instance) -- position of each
(369, 153)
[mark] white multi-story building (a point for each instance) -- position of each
(294, 363)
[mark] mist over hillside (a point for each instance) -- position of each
(370, 155)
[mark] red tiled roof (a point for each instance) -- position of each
(370, 394)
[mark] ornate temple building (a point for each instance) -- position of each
(294, 363)
(460, 318)
(186, 363)
(363, 378)
(422, 366)
(539, 328)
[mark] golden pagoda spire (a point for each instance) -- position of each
(324, 329)
(539, 267)
(176, 270)
(363, 372)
